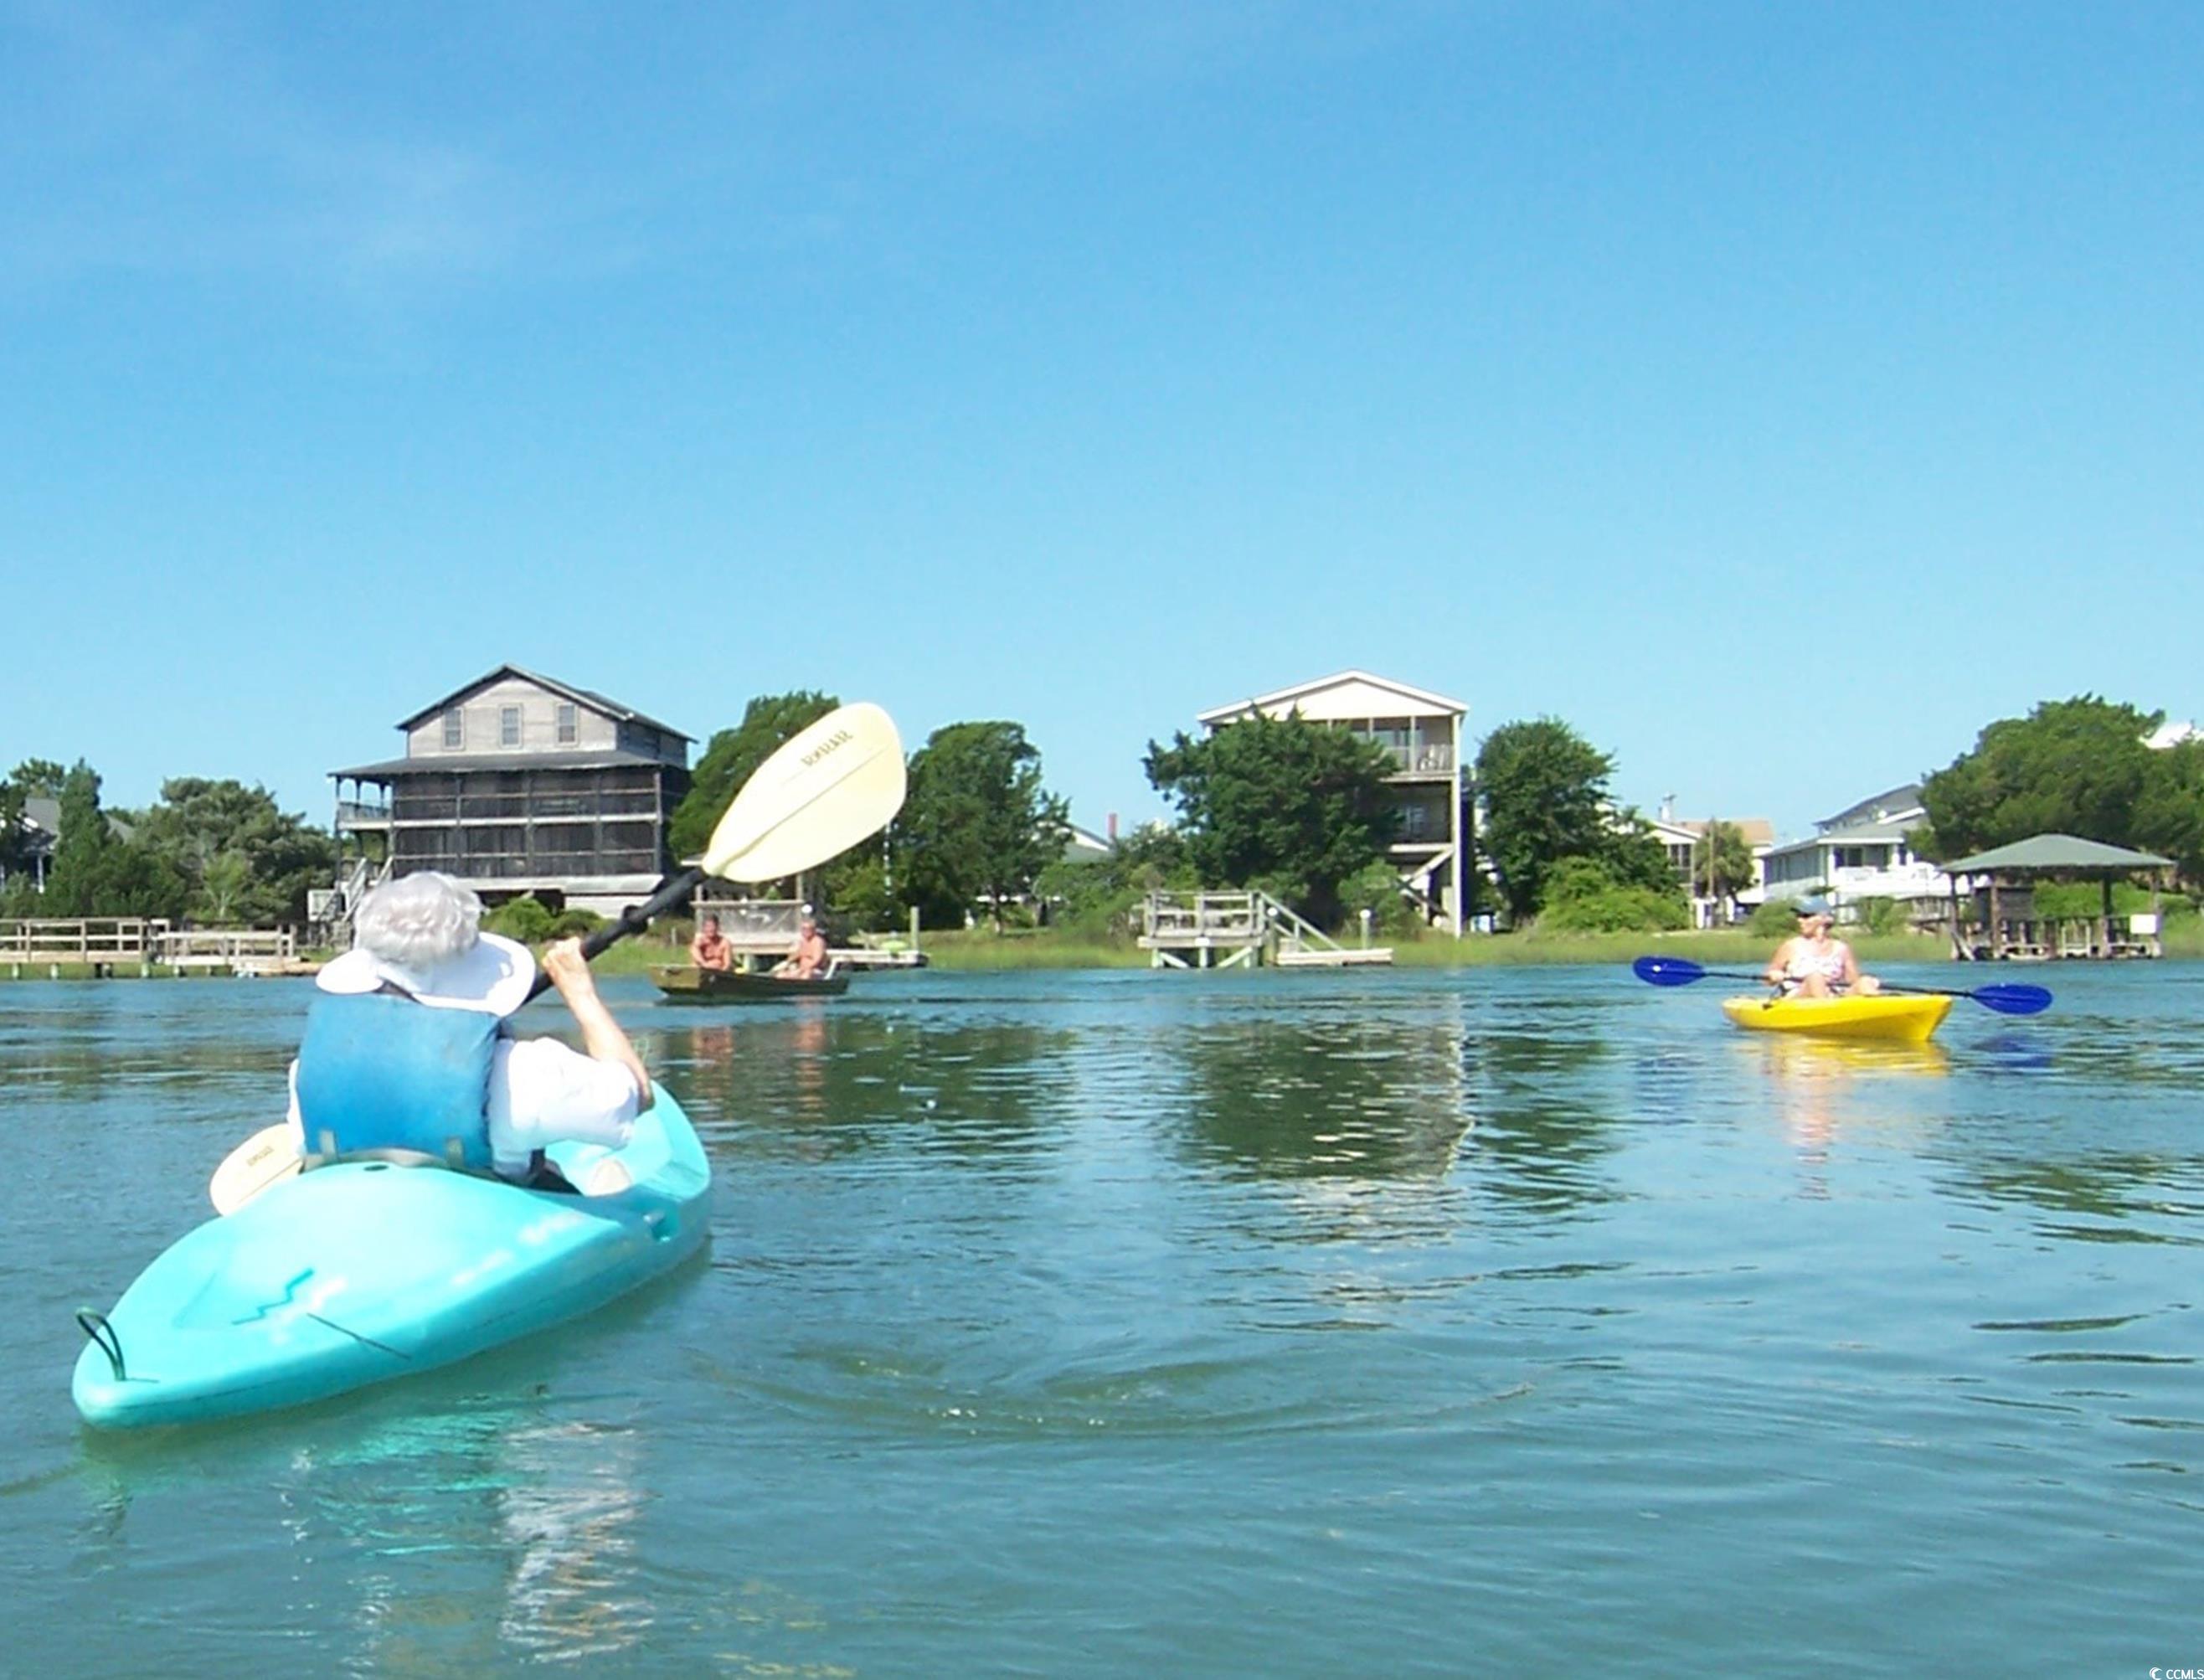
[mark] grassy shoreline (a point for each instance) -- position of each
(981, 950)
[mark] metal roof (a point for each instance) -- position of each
(445, 764)
(589, 697)
(2055, 854)
(1905, 796)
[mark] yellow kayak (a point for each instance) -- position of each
(1905, 1020)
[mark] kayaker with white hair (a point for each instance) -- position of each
(409, 1048)
(1811, 964)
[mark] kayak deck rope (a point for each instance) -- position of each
(95, 1325)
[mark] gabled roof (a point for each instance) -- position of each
(1285, 698)
(1755, 831)
(2053, 854)
(1906, 796)
(596, 702)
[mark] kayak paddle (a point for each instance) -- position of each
(828, 787)
(2005, 1000)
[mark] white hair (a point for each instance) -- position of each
(418, 921)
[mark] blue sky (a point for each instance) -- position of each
(1776, 393)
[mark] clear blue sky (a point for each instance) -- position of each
(1777, 393)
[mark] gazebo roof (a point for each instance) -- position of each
(2057, 854)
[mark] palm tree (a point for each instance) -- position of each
(1721, 863)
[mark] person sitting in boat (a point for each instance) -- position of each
(806, 957)
(1811, 964)
(408, 1046)
(709, 950)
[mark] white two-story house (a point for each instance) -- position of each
(1861, 852)
(1422, 732)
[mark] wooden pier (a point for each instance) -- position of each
(112, 945)
(1241, 930)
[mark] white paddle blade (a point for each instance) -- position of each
(263, 1158)
(827, 788)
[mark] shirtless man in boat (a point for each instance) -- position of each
(1812, 965)
(709, 950)
(806, 957)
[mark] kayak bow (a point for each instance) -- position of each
(362, 1271)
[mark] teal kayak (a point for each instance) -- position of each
(362, 1271)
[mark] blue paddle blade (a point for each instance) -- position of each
(1667, 971)
(2012, 1000)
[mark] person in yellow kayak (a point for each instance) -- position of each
(1811, 964)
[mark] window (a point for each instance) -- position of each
(508, 726)
(455, 730)
(570, 724)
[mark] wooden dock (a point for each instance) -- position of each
(113, 945)
(1241, 930)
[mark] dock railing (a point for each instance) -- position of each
(89, 940)
(240, 950)
(1236, 929)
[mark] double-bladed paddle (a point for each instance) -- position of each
(827, 788)
(2010, 1000)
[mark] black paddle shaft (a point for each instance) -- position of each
(634, 919)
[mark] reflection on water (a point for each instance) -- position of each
(1125, 1323)
(1325, 1094)
(1826, 1089)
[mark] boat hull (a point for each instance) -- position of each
(1893, 1018)
(694, 985)
(363, 1272)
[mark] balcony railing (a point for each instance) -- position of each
(1433, 758)
(360, 813)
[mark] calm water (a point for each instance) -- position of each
(1104, 1324)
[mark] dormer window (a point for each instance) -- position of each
(455, 730)
(570, 724)
(508, 726)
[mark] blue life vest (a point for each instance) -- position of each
(381, 1071)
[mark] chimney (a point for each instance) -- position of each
(1113, 828)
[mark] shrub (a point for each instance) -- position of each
(1776, 919)
(1583, 897)
(527, 920)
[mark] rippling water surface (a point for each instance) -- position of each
(1357, 1324)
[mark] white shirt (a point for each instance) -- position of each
(543, 1092)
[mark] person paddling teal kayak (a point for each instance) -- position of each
(408, 1048)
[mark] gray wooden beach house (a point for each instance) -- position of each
(516, 783)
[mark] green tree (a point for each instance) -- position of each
(2073, 767)
(1101, 896)
(32, 779)
(243, 859)
(94, 872)
(39, 778)
(1283, 804)
(1584, 896)
(2168, 817)
(1721, 863)
(76, 879)
(732, 757)
(977, 822)
(1544, 788)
